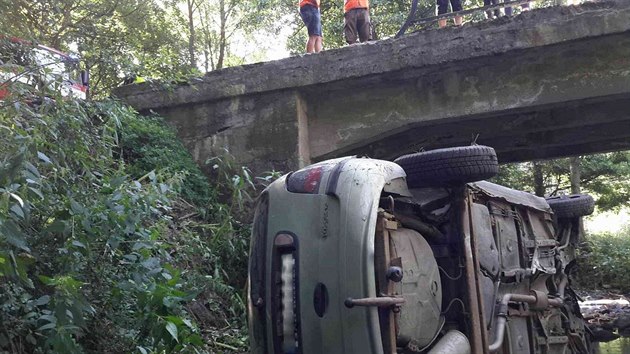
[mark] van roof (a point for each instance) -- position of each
(39, 46)
(511, 195)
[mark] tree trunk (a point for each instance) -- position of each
(576, 175)
(206, 58)
(539, 181)
(222, 39)
(191, 29)
(575, 178)
(203, 19)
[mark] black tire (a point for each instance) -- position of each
(450, 166)
(571, 206)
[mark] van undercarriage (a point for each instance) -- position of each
(356, 255)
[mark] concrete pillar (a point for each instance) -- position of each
(267, 131)
(304, 148)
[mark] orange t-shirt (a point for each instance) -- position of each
(355, 4)
(309, 2)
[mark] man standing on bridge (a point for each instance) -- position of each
(309, 11)
(442, 6)
(357, 21)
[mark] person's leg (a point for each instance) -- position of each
(497, 12)
(442, 6)
(350, 27)
(317, 32)
(310, 44)
(489, 14)
(319, 45)
(363, 25)
(508, 10)
(457, 6)
(306, 12)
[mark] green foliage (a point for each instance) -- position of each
(147, 144)
(603, 175)
(111, 239)
(607, 176)
(114, 38)
(516, 175)
(603, 261)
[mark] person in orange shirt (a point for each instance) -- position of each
(357, 21)
(309, 11)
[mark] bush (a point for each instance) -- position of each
(111, 239)
(603, 261)
(147, 143)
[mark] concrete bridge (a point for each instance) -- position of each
(548, 83)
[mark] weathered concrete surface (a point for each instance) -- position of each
(548, 83)
(261, 130)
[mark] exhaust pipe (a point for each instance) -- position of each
(539, 301)
(453, 341)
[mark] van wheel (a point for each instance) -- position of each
(450, 166)
(571, 206)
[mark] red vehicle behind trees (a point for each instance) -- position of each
(24, 64)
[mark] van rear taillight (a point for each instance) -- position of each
(285, 291)
(305, 180)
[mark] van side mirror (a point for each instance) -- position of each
(85, 78)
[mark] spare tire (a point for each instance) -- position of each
(571, 206)
(450, 166)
